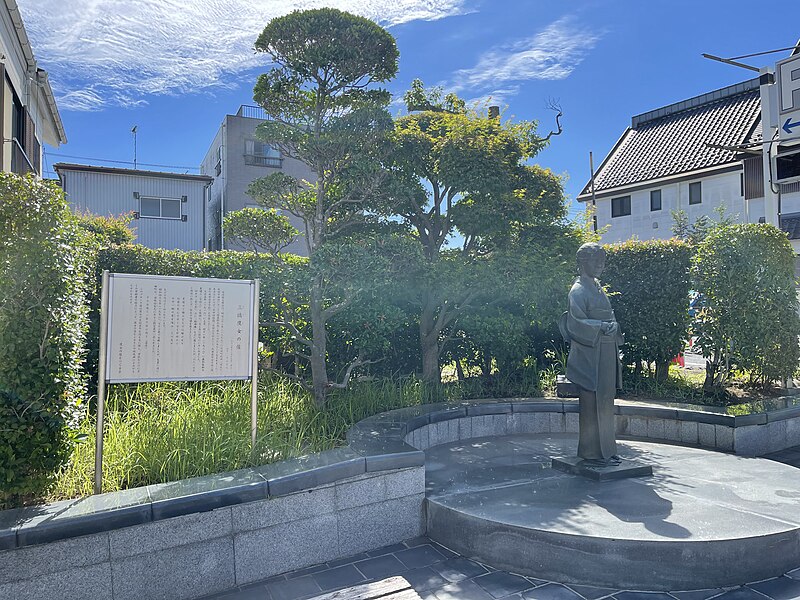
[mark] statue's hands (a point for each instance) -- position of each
(610, 327)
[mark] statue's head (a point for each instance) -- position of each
(591, 259)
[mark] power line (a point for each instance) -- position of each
(123, 162)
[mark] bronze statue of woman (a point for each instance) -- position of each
(593, 363)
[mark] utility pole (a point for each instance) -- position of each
(594, 199)
(133, 131)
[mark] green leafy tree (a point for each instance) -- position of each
(694, 233)
(461, 175)
(258, 229)
(749, 310)
(325, 112)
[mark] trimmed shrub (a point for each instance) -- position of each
(649, 288)
(749, 314)
(43, 266)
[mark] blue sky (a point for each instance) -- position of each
(174, 68)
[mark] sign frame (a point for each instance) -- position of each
(106, 308)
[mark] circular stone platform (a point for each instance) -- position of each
(703, 519)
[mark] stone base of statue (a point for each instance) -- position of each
(565, 388)
(620, 469)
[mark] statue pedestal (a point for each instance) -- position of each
(626, 468)
(565, 388)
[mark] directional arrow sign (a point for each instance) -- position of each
(788, 80)
(788, 125)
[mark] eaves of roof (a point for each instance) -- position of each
(40, 74)
(59, 167)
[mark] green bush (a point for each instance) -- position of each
(649, 288)
(28, 455)
(749, 316)
(107, 231)
(43, 266)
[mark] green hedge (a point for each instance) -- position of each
(749, 315)
(649, 286)
(44, 261)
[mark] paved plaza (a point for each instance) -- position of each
(434, 572)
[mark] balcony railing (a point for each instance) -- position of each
(263, 161)
(20, 163)
(252, 112)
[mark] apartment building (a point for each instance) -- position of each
(235, 158)
(695, 155)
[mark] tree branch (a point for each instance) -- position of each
(358, 362)
(554, 106)
(335, 308)
(295, 331)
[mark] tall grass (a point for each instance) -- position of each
(159, 432)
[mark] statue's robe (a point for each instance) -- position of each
(594, 366)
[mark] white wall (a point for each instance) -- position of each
(644, 224)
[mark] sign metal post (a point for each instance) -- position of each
(254, 380)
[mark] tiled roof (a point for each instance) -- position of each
(673, 140)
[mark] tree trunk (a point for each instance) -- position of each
(662, 370)
(429, 343)
(460, 370)
(319, 368)
(710, 385)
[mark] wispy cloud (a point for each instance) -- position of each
(106, 52)
(553, 53)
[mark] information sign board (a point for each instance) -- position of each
(178, 328)
(157, 328)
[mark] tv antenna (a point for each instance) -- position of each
(133, 131)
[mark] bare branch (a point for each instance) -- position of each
(554, 105)
(358, 362)
(295, 331)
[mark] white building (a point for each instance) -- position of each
(235, 159)
(28, 112)
(695, 155)
(169, 209)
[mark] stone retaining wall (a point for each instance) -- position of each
(186, 539)
(200, 553)
(746, 435)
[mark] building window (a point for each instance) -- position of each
(620, 206)
(655, 200)
(695, 193)
(160, 208)
(261, 154)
